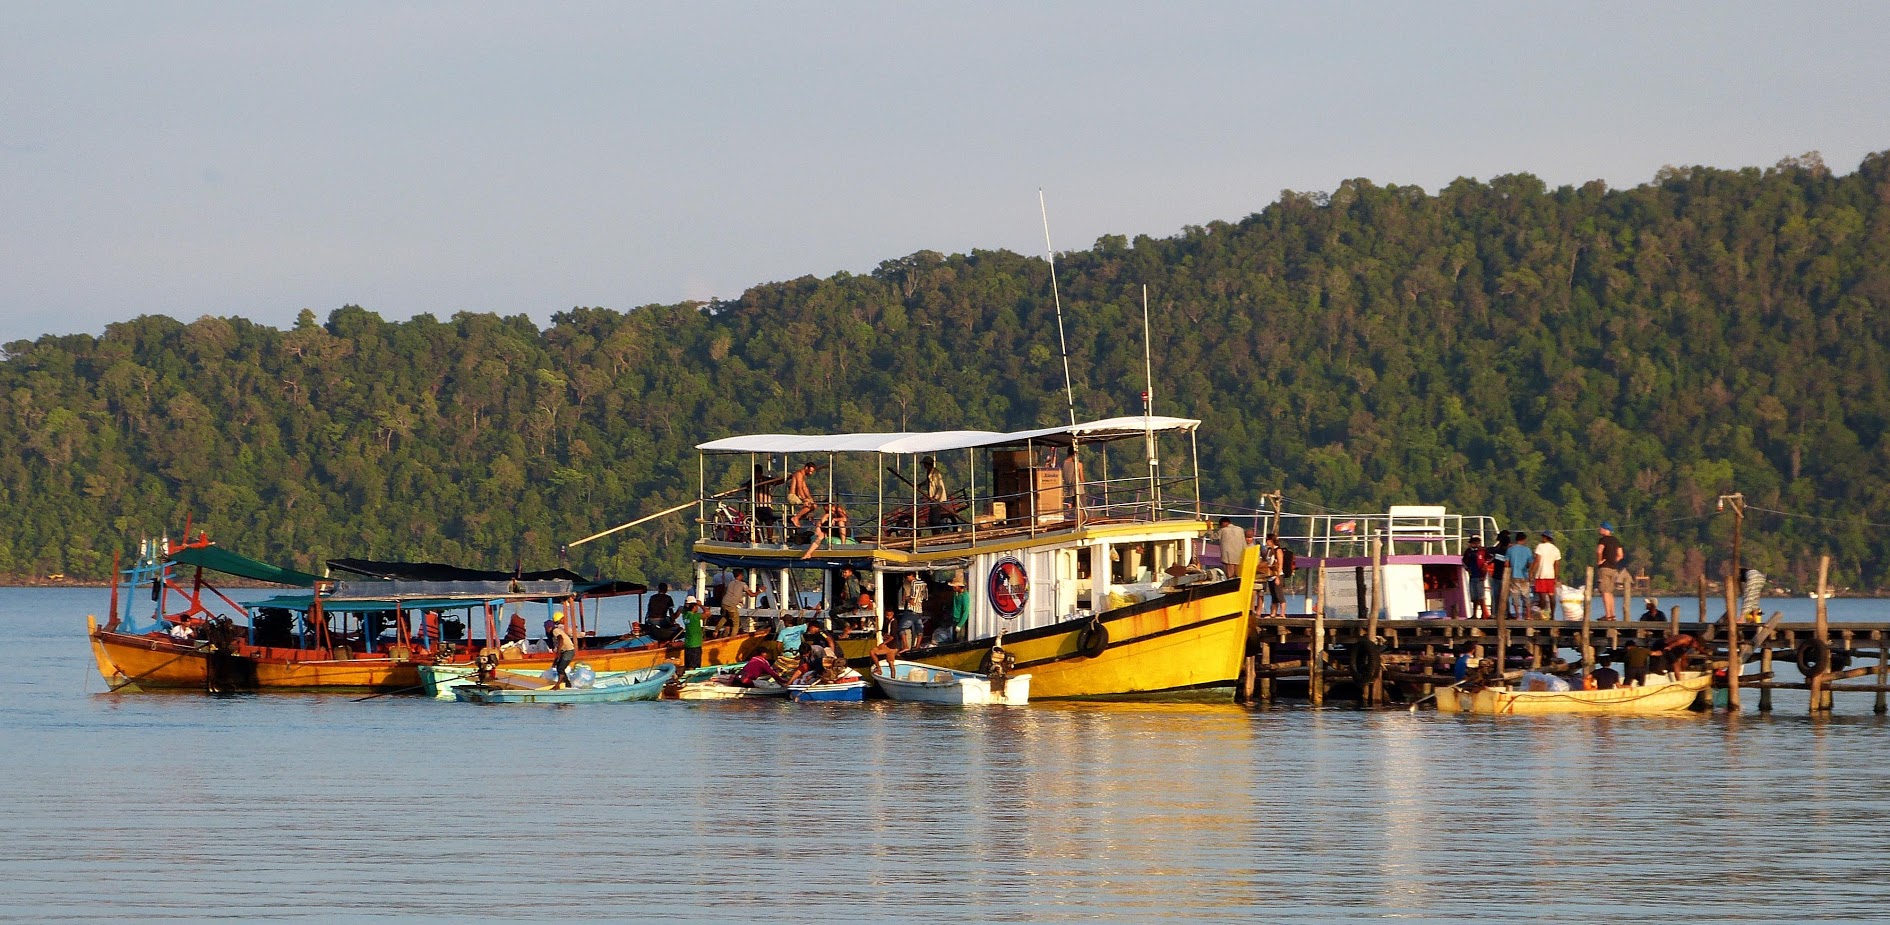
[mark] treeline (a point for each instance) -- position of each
(1555, 357)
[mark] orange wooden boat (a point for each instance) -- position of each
(365, 633)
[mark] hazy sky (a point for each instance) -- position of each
(258, 158)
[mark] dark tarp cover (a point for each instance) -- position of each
(434, 571)
(218, 559)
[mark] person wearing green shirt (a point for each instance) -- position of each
(692, 633)
(961, 606)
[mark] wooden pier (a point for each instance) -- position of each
(1374, 662)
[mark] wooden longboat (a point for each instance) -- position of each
(1662, 694)
(1092, 587)
(237, 651)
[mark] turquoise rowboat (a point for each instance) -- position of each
(605, 687)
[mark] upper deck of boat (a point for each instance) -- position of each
(1018, 489)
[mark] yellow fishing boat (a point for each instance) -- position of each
(1087, 579)
(1662, 693)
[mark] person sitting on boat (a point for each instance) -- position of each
(817, 644)
(757, 667)
(800, 498)
(659, 619)
(832, 525)
(1469, 655)
(885, 652)
(1603, 677)
(183, 631)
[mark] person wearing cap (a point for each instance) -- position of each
(1548, 560)
(1652, 613)
(1520, 559)
(961, 606)
(1611, 571)
(565, 646)
(692, 632)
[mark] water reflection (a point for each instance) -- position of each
(181, 807)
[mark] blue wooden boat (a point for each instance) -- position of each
(850, 688)
(605, 687)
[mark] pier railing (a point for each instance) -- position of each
(1409, 530)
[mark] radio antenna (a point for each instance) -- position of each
(1069, 391)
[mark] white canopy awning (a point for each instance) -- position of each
(1088, 432)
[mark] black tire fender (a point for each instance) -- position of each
(1368, 660)
(1814, 657)
(1092, 640)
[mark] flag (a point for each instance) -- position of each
(1345, 526)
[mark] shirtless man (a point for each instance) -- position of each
(798, 496)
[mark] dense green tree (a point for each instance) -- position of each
(1550, 356)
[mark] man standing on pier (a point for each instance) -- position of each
(1233, 542)
(1520, 558)
(1611, 570)
(1548, 562)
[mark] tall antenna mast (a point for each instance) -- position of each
(1148, 409)
(1069, 391)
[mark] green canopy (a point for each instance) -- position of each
(218, 559)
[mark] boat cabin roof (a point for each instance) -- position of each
(940, 441)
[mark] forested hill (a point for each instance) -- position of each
(1552, 356)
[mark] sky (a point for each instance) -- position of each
(257, 158)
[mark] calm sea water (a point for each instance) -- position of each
(182, 807)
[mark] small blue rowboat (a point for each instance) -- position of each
(850, 688)
(605, 687)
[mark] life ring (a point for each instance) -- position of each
(1368, 660)
(1814, 657)
(1092, 640)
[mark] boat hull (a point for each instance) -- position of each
(918, 683)
(130, 662)
(1671, 697)
(1186, 645)
(615, 687)
(853, 691)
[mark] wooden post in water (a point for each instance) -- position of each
(1315, 658)
(1370, 691)
(1732, 593)
(1765, 668)
(1588, 592)
(1266, 679)
(1820, 696)
(1702, 597)
(1734, 662)
(1502, 629)
(1883, 674)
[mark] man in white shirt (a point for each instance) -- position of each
(1547, 571)
(1233, 542)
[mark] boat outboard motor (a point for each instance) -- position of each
(1000, 674)
(487, 664)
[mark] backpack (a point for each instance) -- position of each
(1288, 562)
